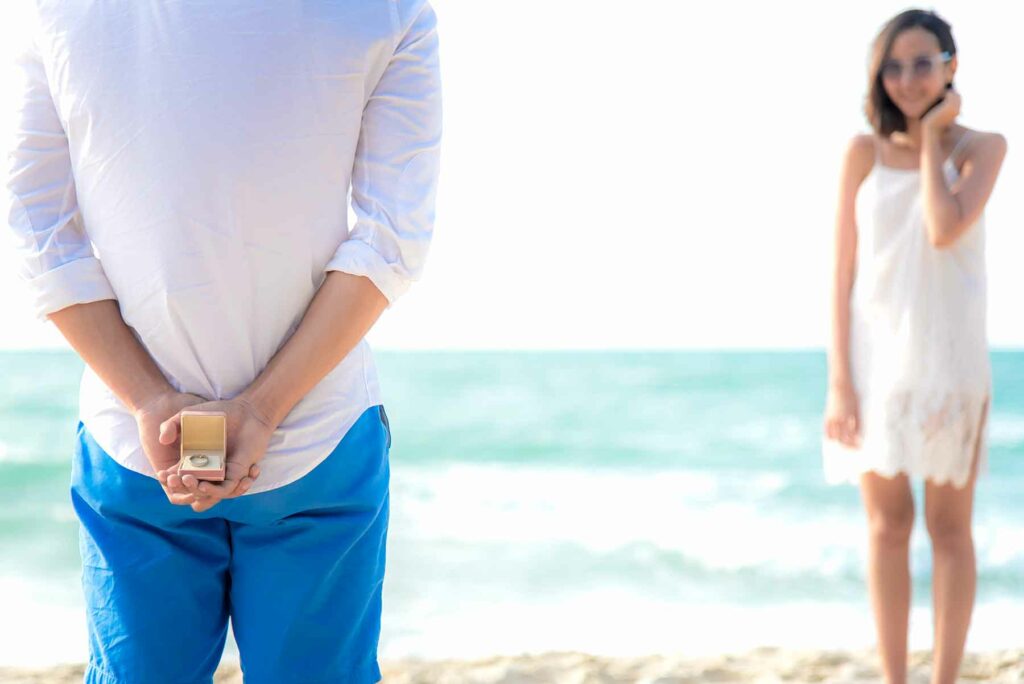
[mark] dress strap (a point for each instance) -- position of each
(959, 144)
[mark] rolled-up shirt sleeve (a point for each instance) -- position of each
(53, 253)
(397, 161)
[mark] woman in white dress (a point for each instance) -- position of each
(909, 376)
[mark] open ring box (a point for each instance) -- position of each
(203, 444)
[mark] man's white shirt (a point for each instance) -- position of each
(193, 160)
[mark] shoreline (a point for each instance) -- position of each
(766, 664)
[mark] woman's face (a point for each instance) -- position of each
(913, 73)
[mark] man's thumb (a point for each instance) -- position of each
(169, 430)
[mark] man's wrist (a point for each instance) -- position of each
(145, 397)
(150, 383)
(264, 404)
(260, 410)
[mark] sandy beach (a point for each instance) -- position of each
(763, 665)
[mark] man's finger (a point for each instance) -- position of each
(164, 474)
(179, 499)
(246, 482)
(219, 490)
(204, 504)
(243, 486)
(174, 483)
(209, 493)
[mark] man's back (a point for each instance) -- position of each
(209, 150)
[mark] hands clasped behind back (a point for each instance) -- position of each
(248, 434)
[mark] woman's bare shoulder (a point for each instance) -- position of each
(859, 156)
(979, 143)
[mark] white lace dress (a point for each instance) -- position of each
(918, 341)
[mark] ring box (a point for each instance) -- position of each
(203, 444)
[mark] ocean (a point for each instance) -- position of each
(622, 503)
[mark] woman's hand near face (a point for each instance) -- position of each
(842, 415)
(943, 116)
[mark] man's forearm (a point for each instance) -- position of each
(341, 313)
(107, 345)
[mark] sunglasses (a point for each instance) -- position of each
(920, 67)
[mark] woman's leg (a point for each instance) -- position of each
(889, 505)
(954, 573)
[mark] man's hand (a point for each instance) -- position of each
(248, 434)
(150, 417)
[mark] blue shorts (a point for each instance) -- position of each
(299, 570)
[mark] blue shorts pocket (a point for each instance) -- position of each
(387, 425)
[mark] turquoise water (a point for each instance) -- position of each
(612, 502)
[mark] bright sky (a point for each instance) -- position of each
(656, 174)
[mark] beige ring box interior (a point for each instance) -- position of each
(203, 444)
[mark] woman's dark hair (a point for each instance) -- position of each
(882, 112)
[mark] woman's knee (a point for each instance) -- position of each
(948, 530)
(891, 526)
(890, 508)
